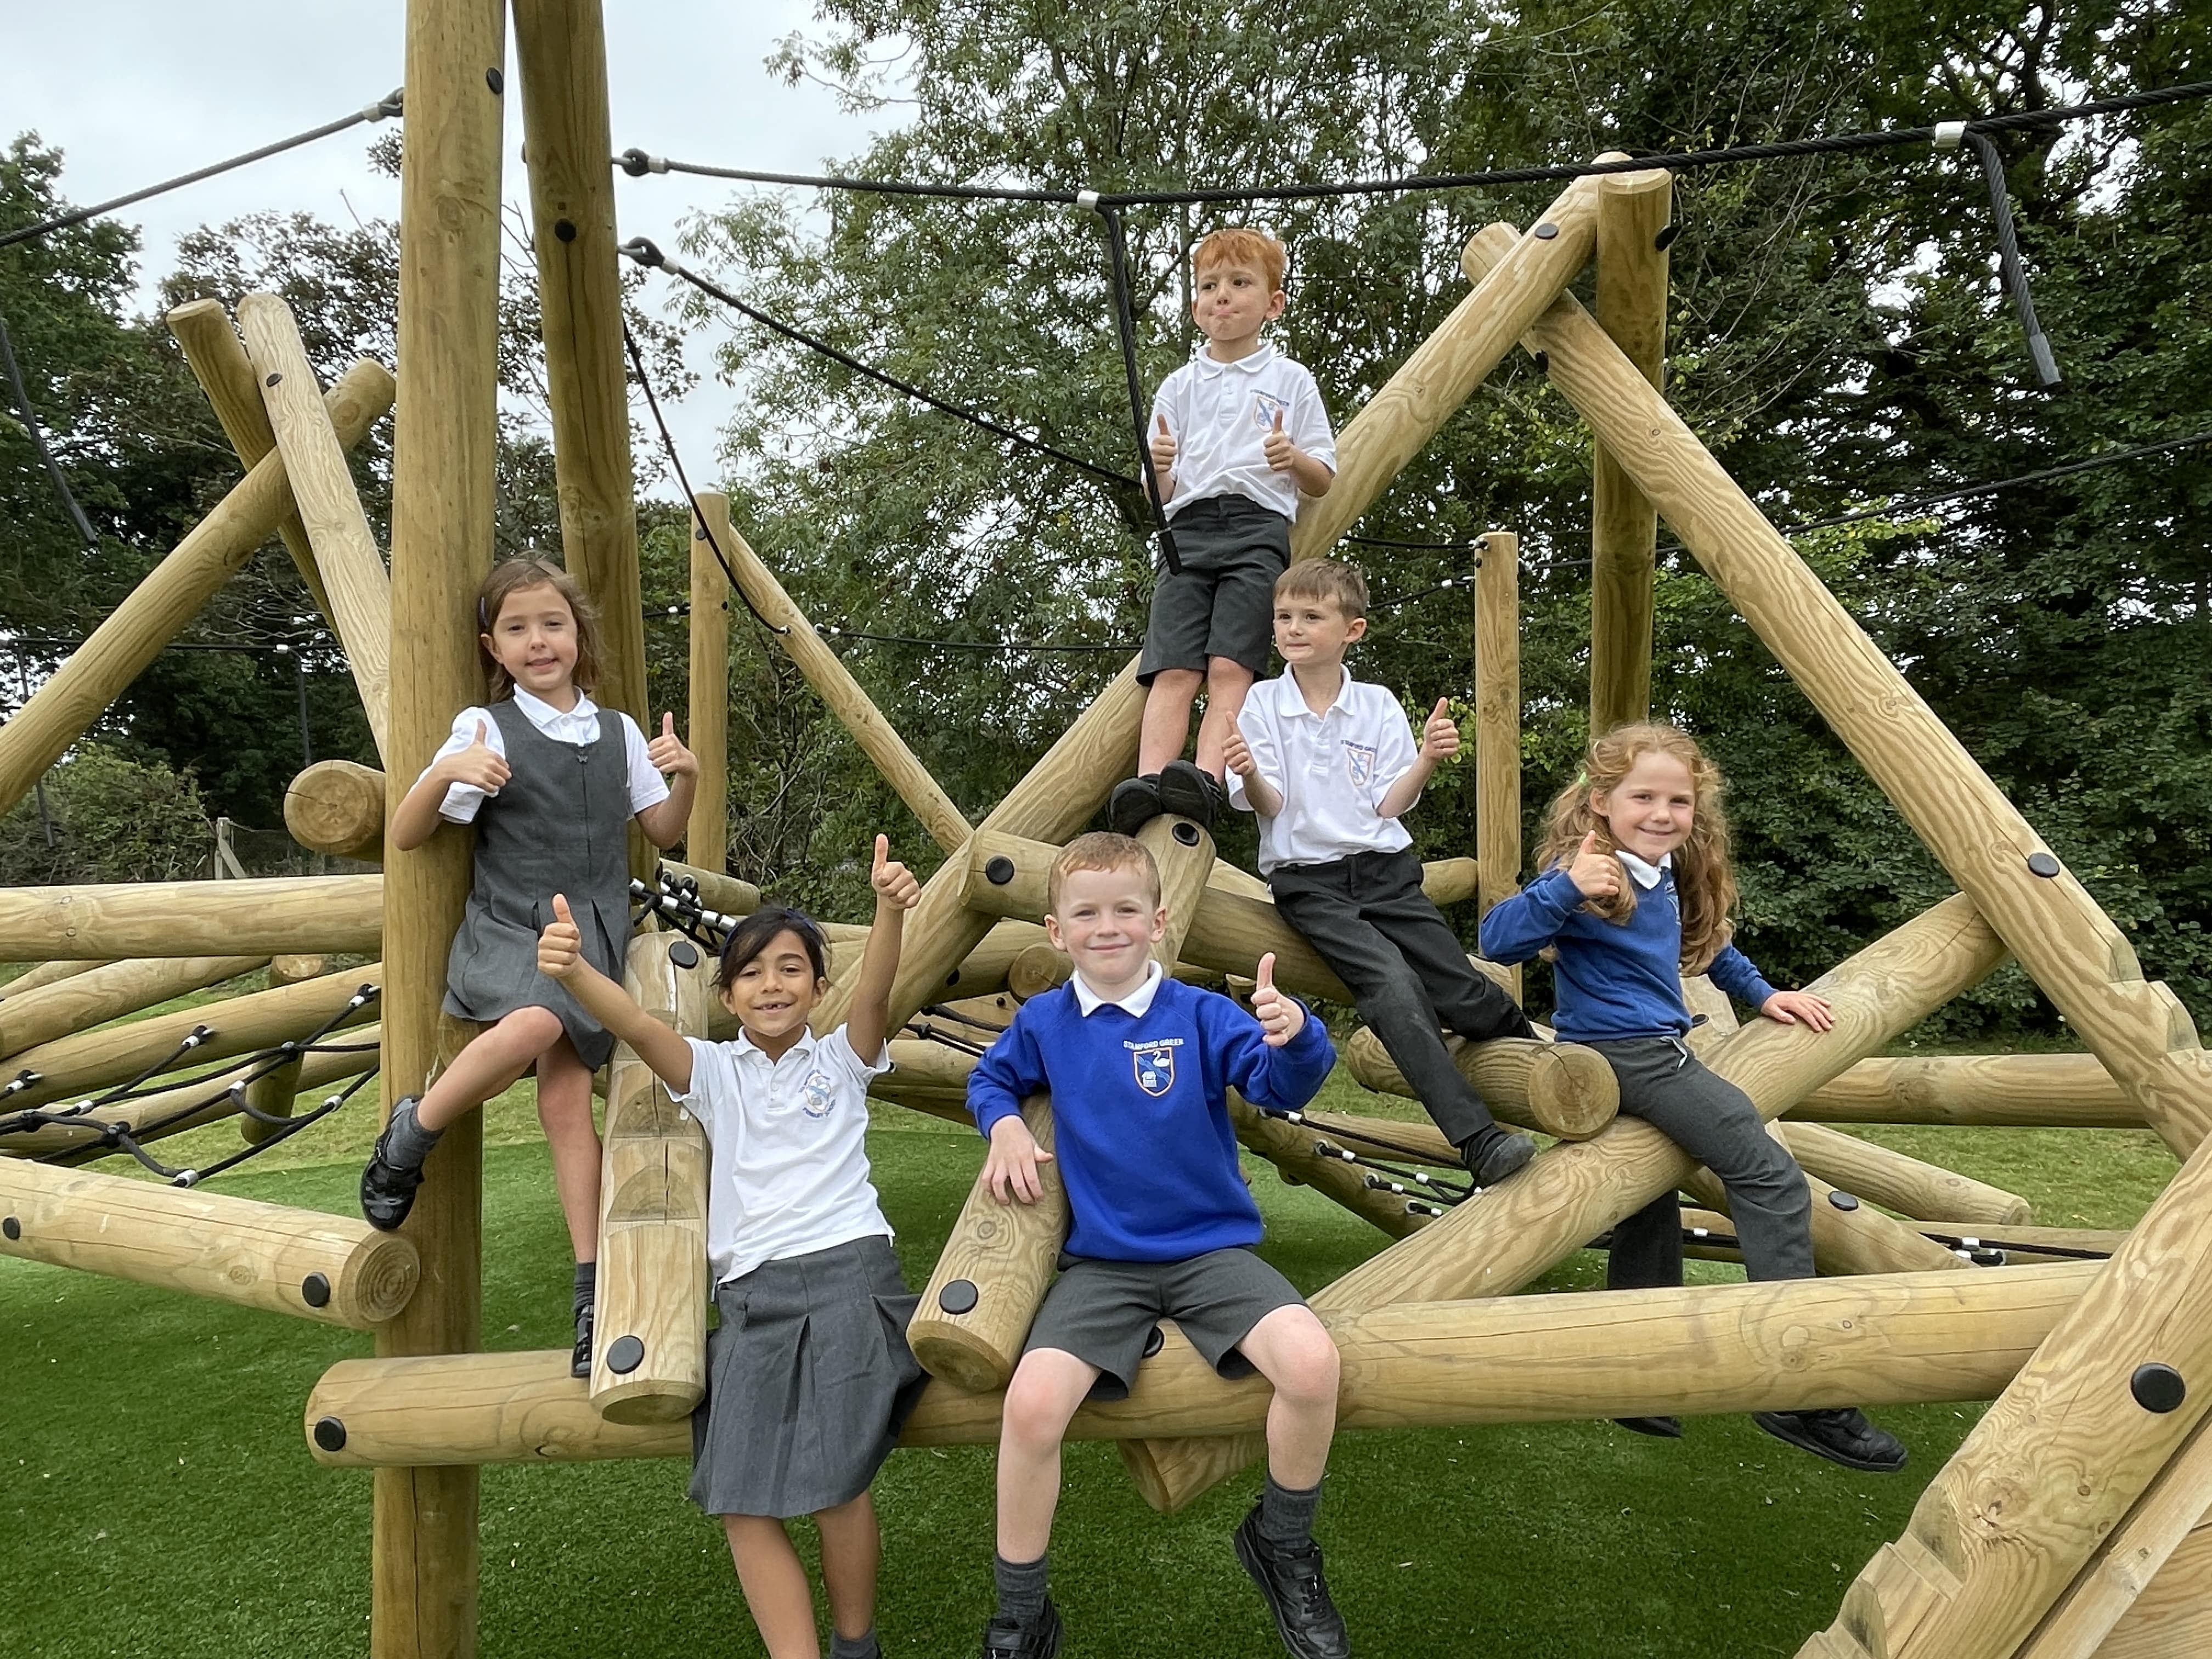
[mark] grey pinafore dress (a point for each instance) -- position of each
(560, 824)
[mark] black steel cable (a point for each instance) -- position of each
(1398, 1149)
(2010, 271)
(29, 412)
(1125, 326)
(390, 105)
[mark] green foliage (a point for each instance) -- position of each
(107, 817)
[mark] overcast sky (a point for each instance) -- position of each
(134, 91)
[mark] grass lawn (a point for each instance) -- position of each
(156, 1497)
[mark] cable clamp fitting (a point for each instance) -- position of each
(645, 251)
(1950, 135)
(388, 107)
(1087, 199)
(636, 163)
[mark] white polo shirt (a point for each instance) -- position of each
(1219, 415)
(577, 724)
(1332, 770)
(790, 1172)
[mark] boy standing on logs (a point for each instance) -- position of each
(1162, 1226)
(1238, 435)
(1330, 765)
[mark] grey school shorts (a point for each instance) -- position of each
(1107, 1314)
(1222, 602)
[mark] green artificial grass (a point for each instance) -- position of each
(156, 1497)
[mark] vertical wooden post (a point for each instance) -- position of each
(1497, 723)
(561, 51)
(707, 840)
(424, 1559)
(1632, 210)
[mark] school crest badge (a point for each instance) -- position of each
(1359, 760)
(818, 1094)
(1155, 1068)
(1265, 407)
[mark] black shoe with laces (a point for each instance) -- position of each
(580, 1357)
(387, 1191)
(1190, 791)
(1843, 1436)
(1135, 803)
(1296, 1593)
(1039, 1638)
(1496, 1154)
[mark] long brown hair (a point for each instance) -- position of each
(509, 577)
(1704, 882)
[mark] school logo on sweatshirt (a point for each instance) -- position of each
(1360, 758)
(1265, 407)
(818, 1094)
(1154, 1064)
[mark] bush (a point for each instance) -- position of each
(113, 819)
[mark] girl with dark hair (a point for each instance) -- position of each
(809, 1376)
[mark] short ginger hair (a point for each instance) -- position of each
(1242, 245)
(1325, 578)
(1102, 850)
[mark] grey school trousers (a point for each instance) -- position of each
(1714, 1121)
(1369, 919)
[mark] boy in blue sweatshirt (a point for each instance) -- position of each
(1162, 1226)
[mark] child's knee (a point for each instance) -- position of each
(1040, 1399)
(1227, 677)
(532, 1030)
(1173, 685)
(1308, 1368)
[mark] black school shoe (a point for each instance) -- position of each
(1296, 1593)
(1843, 1436)
(1492, 1156)
(387, 1192)
(1003, 1638)
(1135, 803)
(1659, 1428)
(580, 1357)
(1190, 791)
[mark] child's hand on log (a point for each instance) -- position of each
(1440, 734)
(479, 765)
(1164, 449)
(561, 946)
(1595, 873)
(1281, 1017)
(1010, 1171)
(1794, 1007)
(668, 754)
(1282, 454)
(895, 885)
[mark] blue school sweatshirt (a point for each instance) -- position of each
(1614, 979)
(1140, 1113)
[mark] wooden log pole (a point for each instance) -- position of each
(1564, 1089)
(424, 1553)
(1497, 722)
(2016, 1092)
(2071, 949)
(40, 976)
(336, 1269)
(707, 837)
(649, 1348)
(1925, 1192)
(336, 807)
(1632, 210)
(1576, 1190)
(118, 988)
(165, 602)
(276, 1093)
(1702, 1350)
(218, 361)
(354, 578)
(192, 918)
(2172, 1615)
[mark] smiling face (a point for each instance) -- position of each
(534, 638)
(1312, 631)
(773, 994)
(1649, 811)
(1108, 921)
(1232, 301)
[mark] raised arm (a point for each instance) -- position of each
(561, 957)
(477, 765)
(1439, 741)
(1516, 928)
(1282, 1064)
(663, 821)
(867, 1022)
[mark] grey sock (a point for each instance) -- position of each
(1286, 1515)
(588, 1286)
(843, 1646)
(407, 1142)
(1021, 1588)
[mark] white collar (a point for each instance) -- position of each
(1251, 363)
(1136, 1004)
(1294, 701)
(540, 712)
(1646, 875)
(745, 1045)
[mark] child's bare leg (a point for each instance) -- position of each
(1166, 725)
(1047, 1387)
(1226, 684)
(851, 1548)
(564, 1110)
(1293, 1350)
(492, 1060)
(774, 1580)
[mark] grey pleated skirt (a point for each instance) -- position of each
(809, 1380)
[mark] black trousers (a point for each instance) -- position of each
(1370, 920)
(1714, 1121)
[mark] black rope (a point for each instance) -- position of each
(1397, 1148)
(390, 105)
(1125, 326)
(1036, 646)
(29, 412)
(2010, 271)
(637, 163)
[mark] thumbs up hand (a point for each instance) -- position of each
(1282, 454)
(668, 754)
(893, 882)
(561, 946)
(1440, 735)
(1164, 447)
(480, 766)
(1595, 872)
(1281, 1017)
